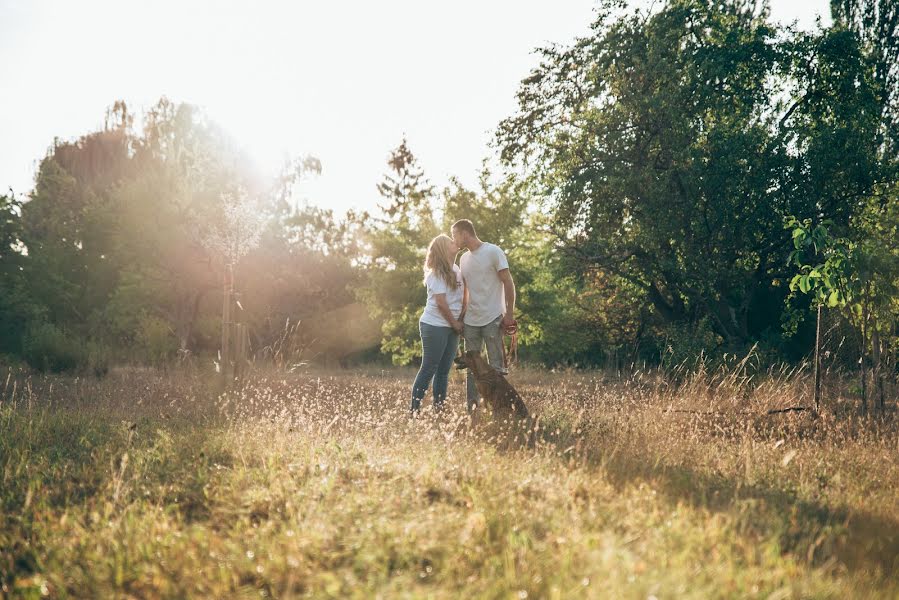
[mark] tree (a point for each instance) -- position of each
(670, 145)
(876, 25)
(860, 278)
(67, 227)
(16, 308)
(396, 242)
(165, 212)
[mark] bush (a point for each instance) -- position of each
(48, 348)
(98, 358)
(156, 339)
(689, 345)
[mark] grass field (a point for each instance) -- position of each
(150, 485)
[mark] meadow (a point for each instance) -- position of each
(158, 484)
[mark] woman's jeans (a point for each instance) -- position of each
(439, 346)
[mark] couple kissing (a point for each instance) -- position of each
(474, 299)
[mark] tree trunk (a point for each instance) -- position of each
(226, 322)
(187, 315)
(877, 371)
(864, 345)
(818, 361)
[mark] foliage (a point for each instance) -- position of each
(876, 24)
(127, 232)
(156, 340)
(833, 282)
(412, 214)
(17, 309)
(647, 175)
(860, 278)
(589, 319)
(394, 252)
(48, 348)
(670, 144)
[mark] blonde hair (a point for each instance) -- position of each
(439, 260)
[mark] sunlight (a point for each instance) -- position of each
(657, 356)
(343, 82)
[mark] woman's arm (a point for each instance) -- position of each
(444, 309)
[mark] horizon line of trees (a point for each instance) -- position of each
(652, 183)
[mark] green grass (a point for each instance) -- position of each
(145, 485)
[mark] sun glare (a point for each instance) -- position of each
(343, 82)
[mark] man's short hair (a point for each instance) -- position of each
(464, 225)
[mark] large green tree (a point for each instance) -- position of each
(669, 146)
(124, 241)
(68, 226)
(17, 309)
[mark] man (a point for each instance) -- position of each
(488, 301)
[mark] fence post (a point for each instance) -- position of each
(240, 359)
(226, 323)
(818, 361)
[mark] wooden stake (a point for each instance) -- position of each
(818, 361)
(226, 322)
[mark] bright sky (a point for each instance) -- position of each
(340, 80)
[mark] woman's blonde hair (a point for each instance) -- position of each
(440, 261)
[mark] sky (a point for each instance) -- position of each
(343, 81)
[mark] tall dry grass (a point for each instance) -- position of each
(317, 484)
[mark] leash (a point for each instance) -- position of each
(510, 354)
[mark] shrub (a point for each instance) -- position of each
(48, 348)
(156, 339)
(98, 358)
(688, 345)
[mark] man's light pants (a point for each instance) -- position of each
(489, 335)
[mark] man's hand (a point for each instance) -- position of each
(459, 326)
(509, 325)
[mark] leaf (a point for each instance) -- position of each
(803, 284)
(833, 299)
(794, 282)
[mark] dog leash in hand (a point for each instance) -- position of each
(510, 354)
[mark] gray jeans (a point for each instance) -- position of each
(476, 338)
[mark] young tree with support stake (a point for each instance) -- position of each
(855, 277)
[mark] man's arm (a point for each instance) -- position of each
(464, 301)
(509, 291)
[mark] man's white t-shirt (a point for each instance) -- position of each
(437, 285)
(486, 299)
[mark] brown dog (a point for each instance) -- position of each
(499, 396)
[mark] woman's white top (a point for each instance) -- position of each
(436, 285)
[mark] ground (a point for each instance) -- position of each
(151, 484)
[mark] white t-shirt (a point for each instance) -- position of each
(437, 285)
(486, 299)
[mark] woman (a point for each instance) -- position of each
(440, 324)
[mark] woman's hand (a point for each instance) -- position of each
(459, 326)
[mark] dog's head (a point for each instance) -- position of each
(475, 362)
